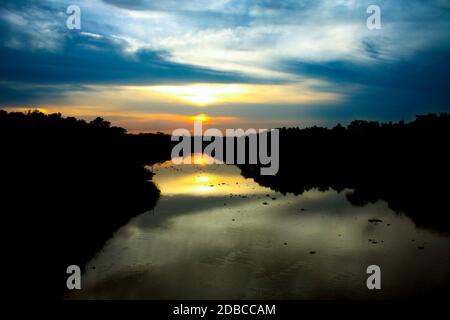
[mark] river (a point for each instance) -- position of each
(217, 235)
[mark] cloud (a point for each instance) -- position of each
(251, 37)
(93, 59)
(32, 28)
(315, 48)
(246, 37)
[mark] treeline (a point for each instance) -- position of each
(66, 186)
(404, 164)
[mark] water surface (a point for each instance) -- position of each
(217, 235)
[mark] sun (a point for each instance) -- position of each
(200, 117)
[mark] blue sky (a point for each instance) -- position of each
(150, 65)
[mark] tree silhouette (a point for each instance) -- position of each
(406, 165)
(66, 186)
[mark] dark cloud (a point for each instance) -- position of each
(387, 89)
(87, 60)
(425, 71)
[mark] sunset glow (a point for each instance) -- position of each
(201, 117)
(153, 69)
(202, 94)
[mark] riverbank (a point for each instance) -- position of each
(403, 164)
(67, 186)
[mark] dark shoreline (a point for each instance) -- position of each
(405, 164)
(67, 186)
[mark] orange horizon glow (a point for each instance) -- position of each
(117, 118)
(160, 108)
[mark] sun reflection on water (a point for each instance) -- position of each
(194, 180)
(202, 179)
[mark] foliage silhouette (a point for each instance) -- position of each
(66, 186)
(406, 165)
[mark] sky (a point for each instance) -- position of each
(151, 65)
